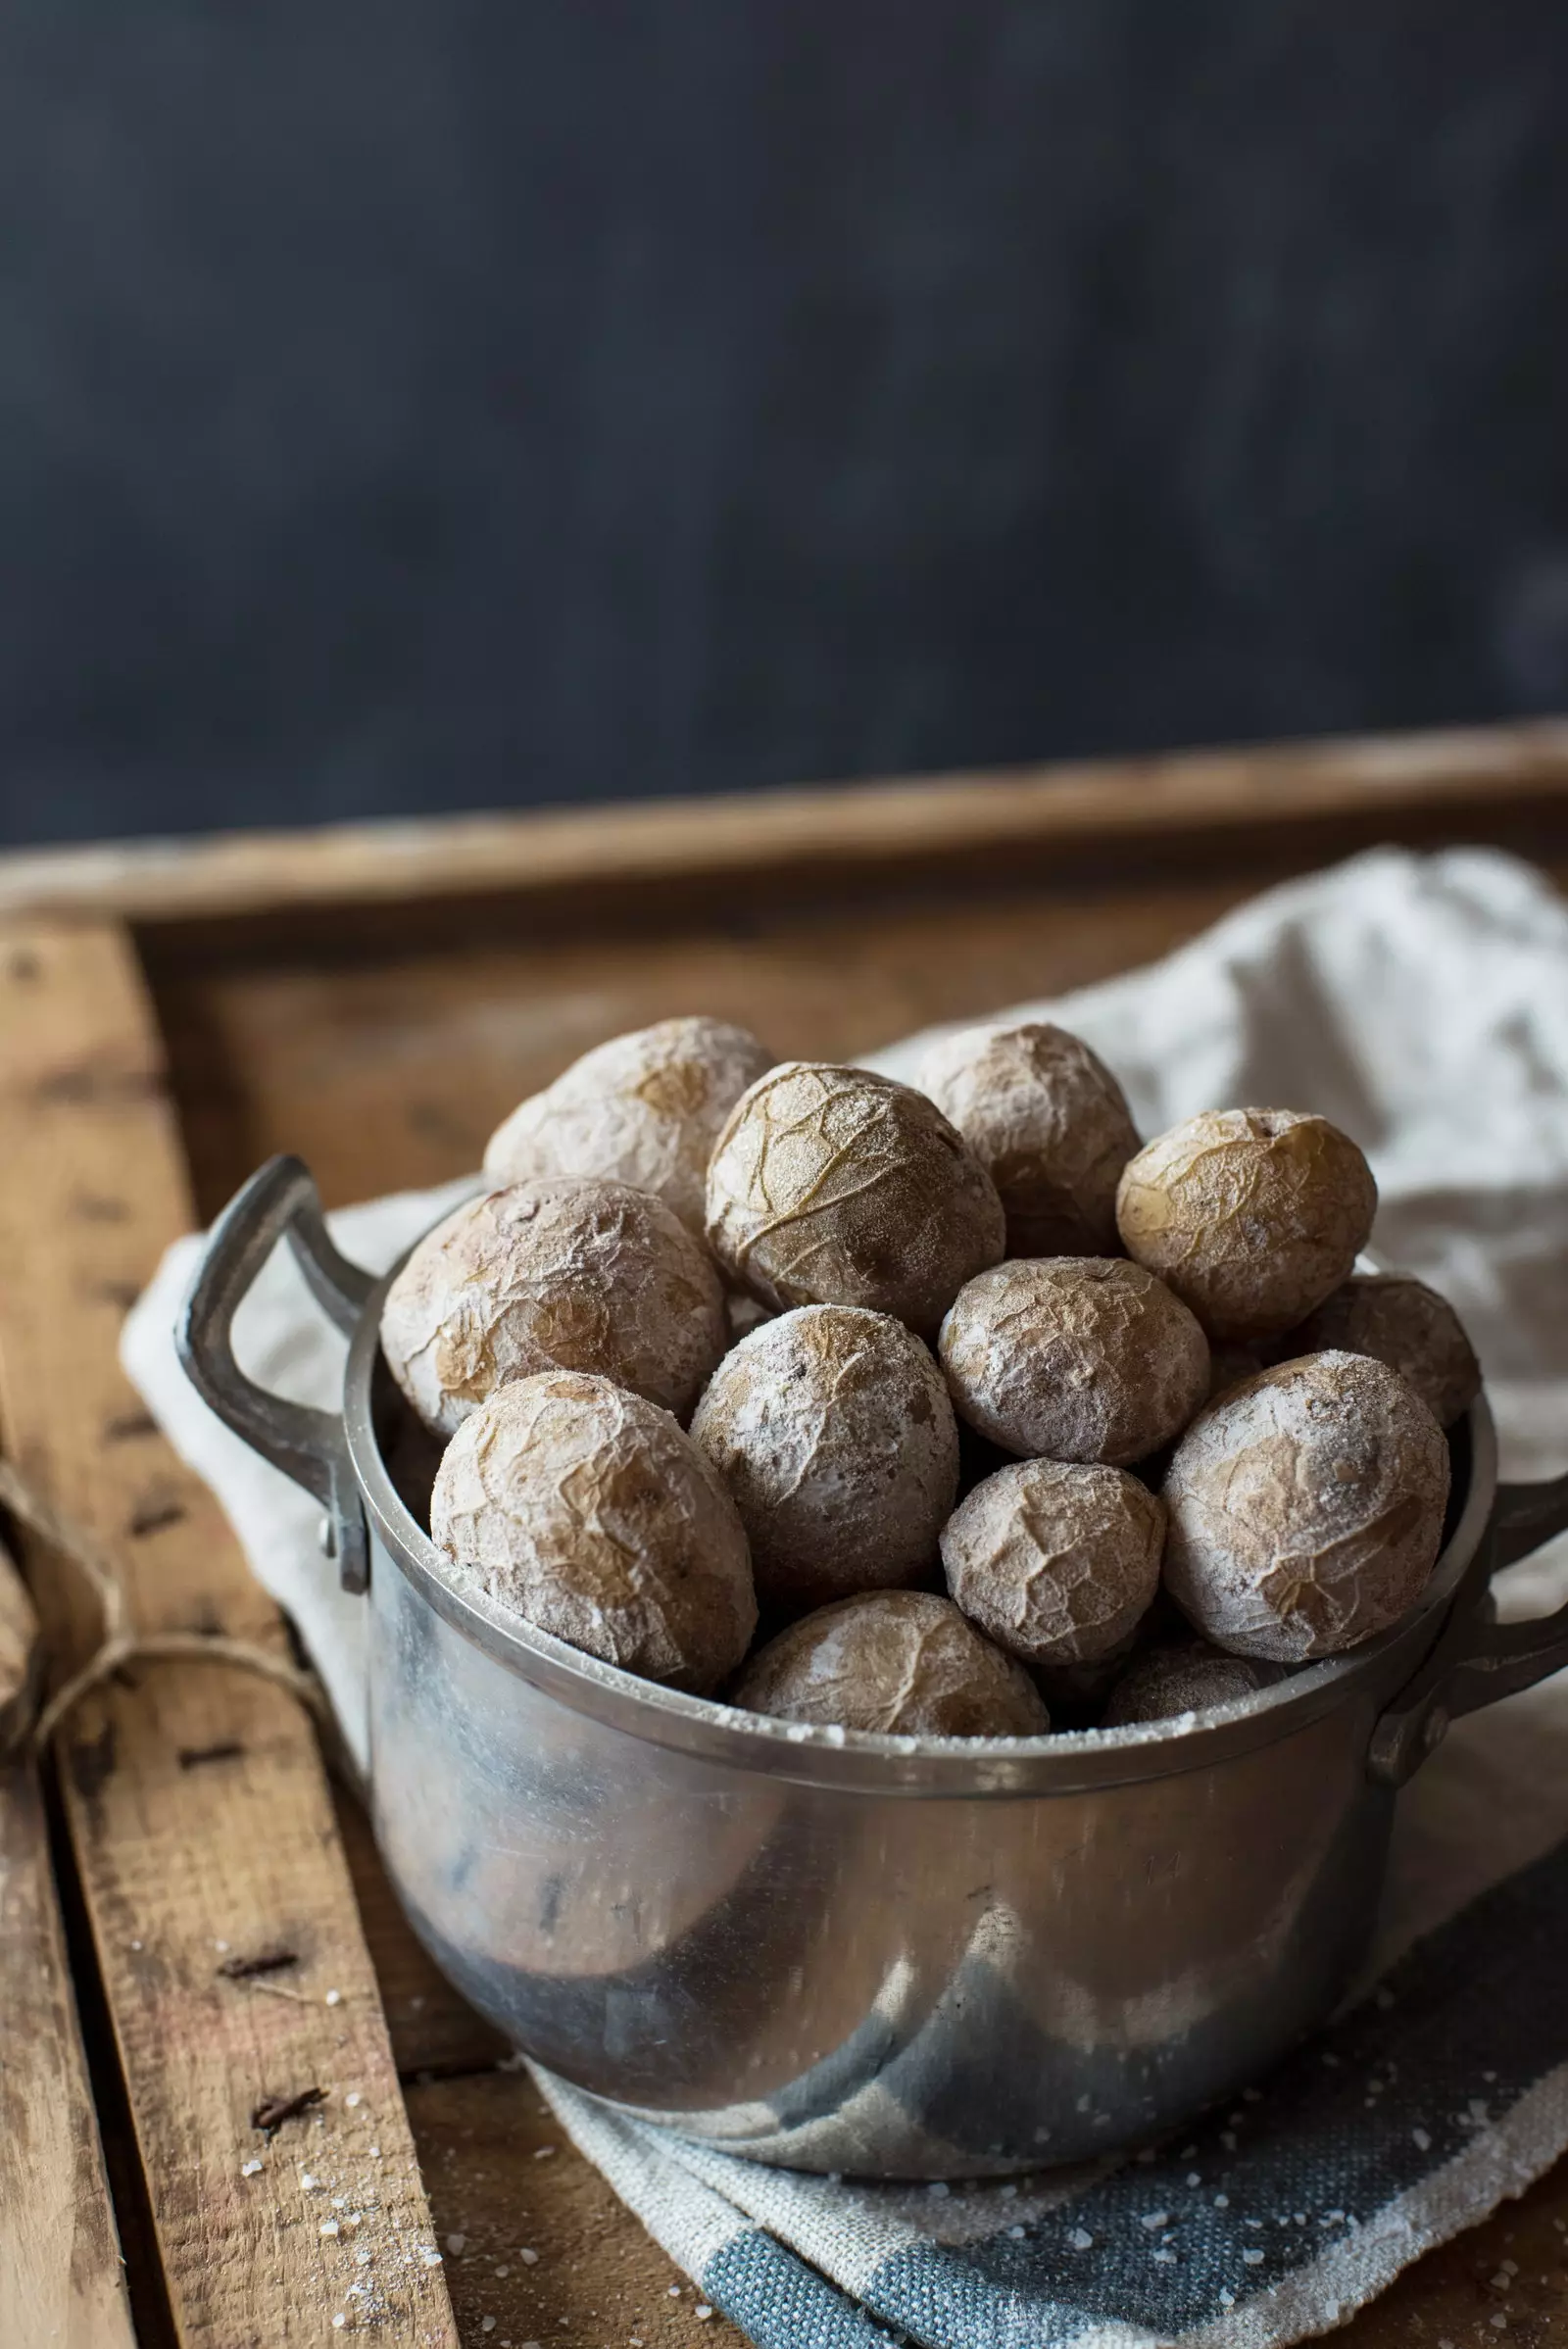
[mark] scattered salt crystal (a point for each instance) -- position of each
(328, 2227)
(430, 2256)
(1509, 2267)
(530, 2259)
(1488, 2077)
(375, 2153)
(1423, 2140)
(308, 2183)
(416, 2004)
(488, 2324)
(1300, 2218)
(334, 1998)
(354, 2100)
(1083, 2104)
(1010, 2194)
(1189, 2153)
(1154, 2221)
(674, 2291)
(1498, 2323)
(1017, 2233)
(1251, 2222)
(1080, 2238)
(938, 2188)
(543, 2153)
(701, 2312)
(1227, 2300)
(220, 1945)
(1251, 2259)
(502, 2273)
(250, 2169)
(362, 2259)
(339, 2321)
(340, 2202)
(1193, 2179)
(1334, 2218)
(1222, 2202)
(135, 1944)
(456, 2245)
(1501, 2282)
(1165, 2259)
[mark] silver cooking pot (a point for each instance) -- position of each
(886, 1956)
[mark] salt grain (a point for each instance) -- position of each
(1010, 2194)
(502, 2273)
(1251, 2259)
(375, 2153)
(354, 2100)
(334, 1998)
(701, 2312)
(1193, 2179)
(1498, 2323)
(308, 2183)
(1165, 2259)
(1222, 2202)
(339, 2321)
(430, 2256)
(1423, 2140)
(1154, 2221)
(250, 2169)
(530, 2259)
(1080, 2238)
(938, 2188)
(328, 2227)
(488, 2325)
(1017, 2233)
(456, 2245)
(1227, 2137)
(543, 2153)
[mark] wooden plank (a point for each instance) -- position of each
(1450, 780)
(60, 2279)
(196, 1800)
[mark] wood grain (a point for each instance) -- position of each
(196, 1801)
(60, 2279)
(1441, 783)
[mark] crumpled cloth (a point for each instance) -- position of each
(1422, 1003)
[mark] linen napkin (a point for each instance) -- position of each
(1422, 1003)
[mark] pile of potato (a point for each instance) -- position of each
(734, 1341)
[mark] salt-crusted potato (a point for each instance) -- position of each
(1253, 1216)
(1187, 1677)
(1057, 1561)
(1075, 1359)
(1049, 1123)
(644, 1109)
(832, 1429)
(836, 1187)
(1306, 1508)
(587, 1512)
(903, 1662)
(590, 1276)
(1398, 1320)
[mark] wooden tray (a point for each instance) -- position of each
(375, 999)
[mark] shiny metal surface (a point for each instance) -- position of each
(883, 1956)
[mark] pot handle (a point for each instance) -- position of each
(279, 1202)
(1477, 1660)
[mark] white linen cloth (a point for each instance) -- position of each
(1422, 1003)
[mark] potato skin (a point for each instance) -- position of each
(1400, 1321)
(1187, 1677)
(1306, 1509)
(832, 1429)
(903, 1662)
(585, 1510)
(644, 1108)
(1253, 1216)
(1049, 1123)
(589, 1275)
(837, 1186)
(1057, 1562)
(1075, 1359)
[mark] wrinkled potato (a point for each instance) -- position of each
(903, 1662)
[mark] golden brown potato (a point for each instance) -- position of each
(1049, 1123)
(1306, 1509)
(589, 1276)
(588, 1513)
(1056, 1562)
(903, 1662)
(1075, 1359)
(1250, 1215)
(644, 1109)
(832, 1429)
(836, 1187)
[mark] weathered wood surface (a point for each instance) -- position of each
(1480, 781)
(60, 2279)
(196, 1800)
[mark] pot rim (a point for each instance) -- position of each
(1059, 1762)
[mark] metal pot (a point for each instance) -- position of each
(884, 1956)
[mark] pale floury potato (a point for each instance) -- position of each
(902, 1662)
(1398, 1320)
(836, 1187)
(1250, 1215)
(1047, 1121)
(586, 1511)
(1305, 1508)
(1188, 1677)
(644, 1108)
(832, 1429)
(1075, 1359)
(588, 1276)
(1057, 1562)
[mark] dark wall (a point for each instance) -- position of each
(454, 402)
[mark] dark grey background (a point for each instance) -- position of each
(454, 402)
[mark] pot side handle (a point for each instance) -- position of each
(279, 1202)
(1477, 1660)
